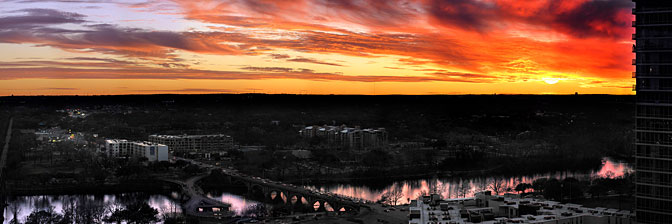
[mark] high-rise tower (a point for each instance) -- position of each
(653, 48)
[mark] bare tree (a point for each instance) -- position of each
(69, 208)
(15, 209)
(393, 196)
(435, 187)
(497, 186)
(482, 185)
(86, 210)
(422, 193)
(170, 214)
(169, 211)
(463, 189)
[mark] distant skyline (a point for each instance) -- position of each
(101, 47)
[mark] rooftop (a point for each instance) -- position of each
(459, 210)
(141, 143)
(189, 136)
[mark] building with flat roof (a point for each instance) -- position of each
(194, 143)
(488, 209)
(123, 148)
(343, 136)
(653, 167)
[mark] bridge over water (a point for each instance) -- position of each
(278, 192)
(197, 204)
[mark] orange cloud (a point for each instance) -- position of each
(481, 41)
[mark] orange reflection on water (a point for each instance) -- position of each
(467, 187)
(238, 203)
(611, 169)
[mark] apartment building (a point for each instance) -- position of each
(349, 137)
(129, 149)
(194, 143)
(653, 62)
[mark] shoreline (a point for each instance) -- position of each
(352, 178)
(152, 186)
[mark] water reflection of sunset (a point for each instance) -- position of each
(466, 187)
(613, 169)
(238, 203)
(28, 204)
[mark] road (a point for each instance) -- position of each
(197, 199)
(5, 148)
(3, 161)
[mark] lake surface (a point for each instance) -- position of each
(466, 187)
(27, 204)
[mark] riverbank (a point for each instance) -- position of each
(508, 167)
(144, 186)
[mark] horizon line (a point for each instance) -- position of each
(281, 94)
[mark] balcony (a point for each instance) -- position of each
(651, 62)
(634, 87)
(651, 49)
(634, 11)
(634, 75)
(651, 168)
(641, 75)
(653, 156)
(634, 36)
(650, 195)
(654, 128)
(646, 180)
(649, 140)
(634, 23)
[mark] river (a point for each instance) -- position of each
(466, 187)
(447, 187)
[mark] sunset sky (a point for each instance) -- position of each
(94, 47)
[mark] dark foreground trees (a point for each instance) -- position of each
(48, 216)
(136, 212)
(83, 210)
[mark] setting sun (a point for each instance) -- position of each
(550, 80)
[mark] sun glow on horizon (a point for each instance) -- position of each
(550, 81)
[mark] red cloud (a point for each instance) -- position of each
(483, 37)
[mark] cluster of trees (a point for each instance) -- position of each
(571, 188)
(136, 212)
(566, 189)
(84, 210)
(554, 189)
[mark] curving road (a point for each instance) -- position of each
(325, 196)
(197, 200)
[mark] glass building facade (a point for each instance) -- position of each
(653, 60)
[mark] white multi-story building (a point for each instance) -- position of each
(123, 148)
(487, 209)
(194, 143)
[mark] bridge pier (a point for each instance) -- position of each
(285, 194)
